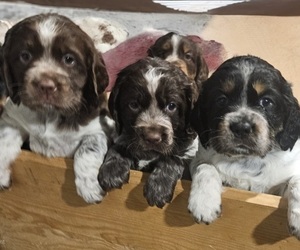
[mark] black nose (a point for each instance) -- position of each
(241, 129)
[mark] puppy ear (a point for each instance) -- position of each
(202, 69)
(197, 120)
(2, 94)
(97, 79)
(291, 127)
(113, 105)
(10, 87)
(290, 134)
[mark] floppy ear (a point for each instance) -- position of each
(113, 105)
(198, 120)
(11, 88)
(202, 68)
(97, 79)
(2, 93)
(291, 127)
(290, 134)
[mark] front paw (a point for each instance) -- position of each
(294, 223)
(5, 181)
(205, 207)
(114, 173)
(158, 192)
(89, 189)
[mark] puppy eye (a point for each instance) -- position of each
(188, 56)
(266, 102)
(171, 107)
(222, 101)
(69, 60)
(134, 106)
(25, 56)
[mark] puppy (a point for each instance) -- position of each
(185, 54)
(150, 104)
(55, 79)
(247, 118)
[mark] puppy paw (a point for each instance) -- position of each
(89, 190)
(205, 207)
(5, 181)
(158, 192)
(113, 174)
(294, 223)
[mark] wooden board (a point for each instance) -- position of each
(42, 211)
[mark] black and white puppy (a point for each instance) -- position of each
(55, 79)
(185, 54)
(151, 104)
(247, 118)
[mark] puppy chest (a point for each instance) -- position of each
(54, 143)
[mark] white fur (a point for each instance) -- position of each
(153, 79)
(276, 173)
(175, 43)
(47, 29)
(19, 122)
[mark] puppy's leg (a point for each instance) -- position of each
(294, 206)
(87, 161)
(11, 141)
(159, 188)
(205, 195)
(115, 170)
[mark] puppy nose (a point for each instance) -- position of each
(152, 136)
(241, 129)
(47, 86)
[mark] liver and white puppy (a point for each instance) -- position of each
(55, 79)
(247, 118)
(185, 54)
(151, 104)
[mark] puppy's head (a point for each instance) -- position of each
(244, 107)
(48, 62)
(185, 54)
(151, 103)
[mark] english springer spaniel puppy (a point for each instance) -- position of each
(248, 122)
(185, 54)
(55, 79)
(151, 104)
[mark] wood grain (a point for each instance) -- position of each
(42, 211)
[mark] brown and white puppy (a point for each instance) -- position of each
(55, 78)
(150, 103)
(185, 54)
(247, 118)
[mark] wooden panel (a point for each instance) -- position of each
(43, 211)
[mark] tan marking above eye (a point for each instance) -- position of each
(228, 86)
(259, 87)
(186, 48)
(167, 45)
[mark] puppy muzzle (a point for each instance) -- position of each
(157, 138)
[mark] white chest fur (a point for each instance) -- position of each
(42, 132)
(269, 174)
